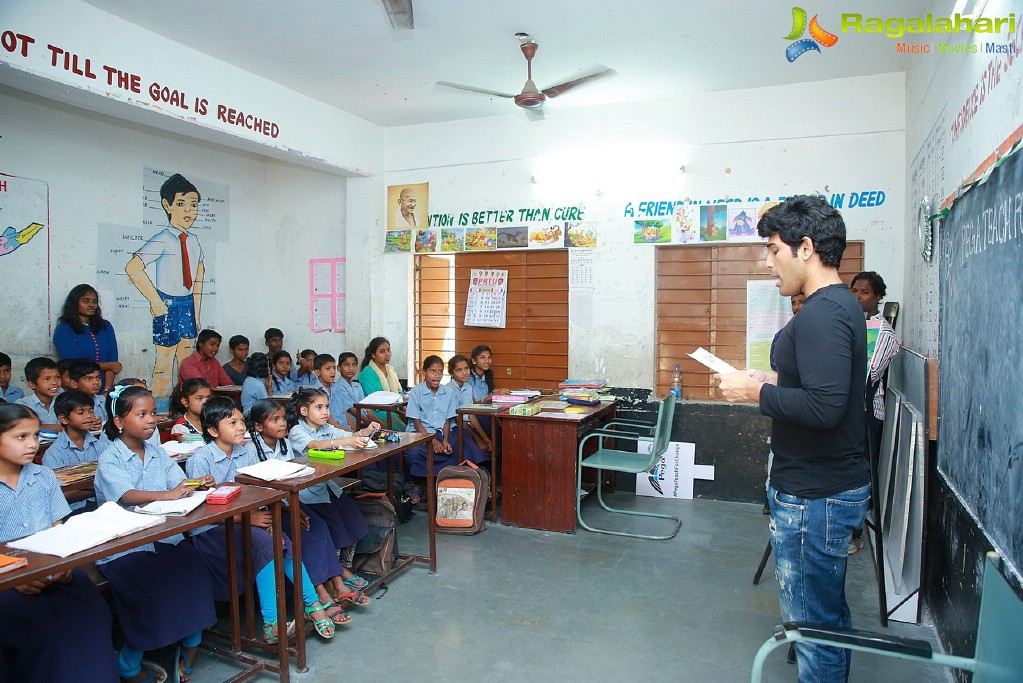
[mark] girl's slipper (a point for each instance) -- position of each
(336, 613)
(325, 626)
(355, 597)
(154, 673)
(356, 582)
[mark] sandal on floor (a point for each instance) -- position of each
(324, 627)
(355, 597)
(336, 613)
(154, 673)
(356, 582)
(271, 638)
(186, 663)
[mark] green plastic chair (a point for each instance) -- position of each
(628, 462)
(998, 657)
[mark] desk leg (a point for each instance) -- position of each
(250, 604)
(232, 581)
(431, 507)
(296, 560)
(282, 607)
(493, 469)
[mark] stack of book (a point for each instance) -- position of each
(580, 396)
(583, 384)
(508, 399)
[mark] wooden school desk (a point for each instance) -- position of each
(539, 455)
(252, 498)
(391, 410)
(326, 470)
(469, 410)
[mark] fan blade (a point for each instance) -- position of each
(470, 88)
(561, 88)
(534, 113)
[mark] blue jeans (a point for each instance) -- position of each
(810, 537)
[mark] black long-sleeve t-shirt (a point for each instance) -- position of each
(818, 435)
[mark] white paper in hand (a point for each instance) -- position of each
(381, 398)
(708, 359)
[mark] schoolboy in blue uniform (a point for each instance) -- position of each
(325, 369)
(86, 376)
(302, 374)
(44, 380)
(57, 628)
(8, 393)
(431, 405)
(75, 444)
(346, 391)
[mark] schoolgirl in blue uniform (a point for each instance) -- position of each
(475, 444)
(280, 375)
(431, 405)
(268, 426)
(51, 629)
(257, 381)
(223, 428)
(162, 592)
(346, 391)
(308, 413)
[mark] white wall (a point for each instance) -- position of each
(831, 137)
(281, 215)
(937, 89)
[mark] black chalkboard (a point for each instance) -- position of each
(980, 433)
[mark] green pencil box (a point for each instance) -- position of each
(336, 454)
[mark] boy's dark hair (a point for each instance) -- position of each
(307, 352)
(213, 411)
(432, 360)
(35, 367)
(257, 365)
(875, 280)
(207, 335)
(80, 367)
(807, 216)
(271, 333)
(4, 359)
(322, 360)
(71, 400)
(69, 313)
(345, 356)
(175, 185)
(236, 340)
(64, 364)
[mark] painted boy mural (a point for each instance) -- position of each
(169, 271)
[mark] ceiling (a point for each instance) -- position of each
(345, 53)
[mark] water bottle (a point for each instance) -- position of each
(676, 383)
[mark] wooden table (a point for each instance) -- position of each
(539, 459)
(325, 470)
(482, 412)
(252, 498)
(391, 410)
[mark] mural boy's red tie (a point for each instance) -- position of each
(186, 267)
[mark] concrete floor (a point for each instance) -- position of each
(520, 605)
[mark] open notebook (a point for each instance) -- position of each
(179, 507)
(276, 470)
(85, 531)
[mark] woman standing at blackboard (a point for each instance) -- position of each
(882, 345)
(83, 333)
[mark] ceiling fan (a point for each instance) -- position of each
(531, 99)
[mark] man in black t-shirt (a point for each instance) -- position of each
(820, 478)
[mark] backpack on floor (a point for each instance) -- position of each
(377, 551)
(462, 495)
(376, 482)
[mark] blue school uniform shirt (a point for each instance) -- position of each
(431, 409)
(46, 415)
(121, 470)
(281, 385)
(64, 452)
(343, 396)
(306, 380)
(99, 406)
(253, 390)
(480, 390)
(300, 436)
(463, 395)
(210, 459)
(33, 505)
(12, 394)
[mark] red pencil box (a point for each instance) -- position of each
(223, 494)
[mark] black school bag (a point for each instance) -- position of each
(377, 551)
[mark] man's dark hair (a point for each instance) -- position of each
(807, 216)
(35, 367)
(207, 335)
(236, 340)
(272, 332)
(875, 280)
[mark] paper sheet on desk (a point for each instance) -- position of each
(276, 470)
(179, 507)
(708, 359)
(87, 530)
(381, 398)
